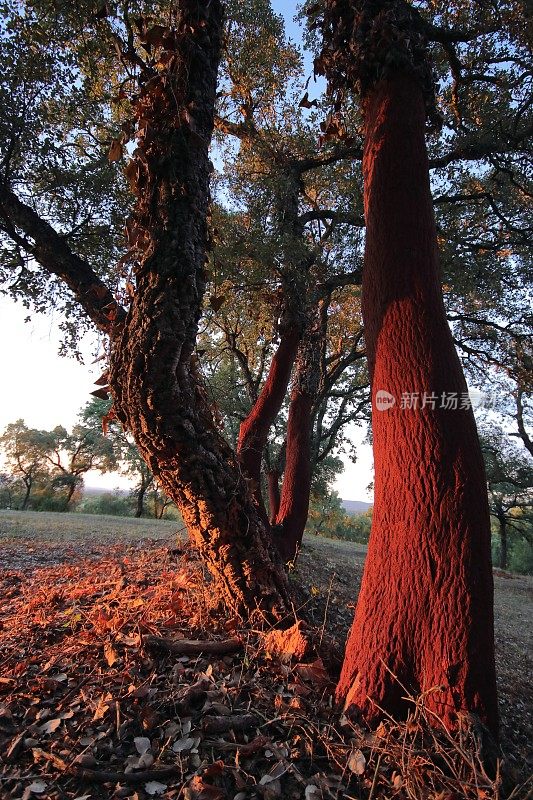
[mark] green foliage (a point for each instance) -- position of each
(25, 459)
(519, 556)
(126, 455)
(45, 469)
(509, 470)
(113, 504)
(56, 124)
(328, 518)
(12, 491)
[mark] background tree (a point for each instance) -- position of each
(96, 415)
(276, 248)
(11, 490)
(24, 458)
(510, 484)
(70, 456)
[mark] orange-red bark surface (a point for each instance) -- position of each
(253, 433)
(425, 612)
(294, 505)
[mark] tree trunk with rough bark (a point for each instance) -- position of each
(296, 487)
(503, 541)
(424, 618)
(158, 393)
(253, 433)
(273, 477)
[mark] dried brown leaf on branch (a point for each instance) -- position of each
(116, 151)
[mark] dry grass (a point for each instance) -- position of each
(43, 526)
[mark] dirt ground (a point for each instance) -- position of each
(31, 542)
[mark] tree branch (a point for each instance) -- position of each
(336, 217)
(526, 439)
(51, 251)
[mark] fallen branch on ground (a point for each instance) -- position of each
(130, 778)
(193, 647)
(239, 722)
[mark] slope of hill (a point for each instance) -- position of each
(355, 507)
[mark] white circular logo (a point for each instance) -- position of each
(384, 400)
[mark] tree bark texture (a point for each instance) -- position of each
(157, 389)
(294, 504)
(424, 619)
(273, 477)
(253, 433)
(503, 541)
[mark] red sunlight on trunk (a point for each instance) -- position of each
(424, 619)
(273, 477)
(294, 505)
(254, 430)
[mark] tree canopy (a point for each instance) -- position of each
(67, 119)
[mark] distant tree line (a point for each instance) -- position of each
(45, 470)
(328, 518)
(509, 471)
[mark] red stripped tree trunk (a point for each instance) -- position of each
(294, 506)
(425, 611)
(274, 497)
(253, 433)
(158, 393)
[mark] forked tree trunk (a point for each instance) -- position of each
(157, 389)
(424, 619)
(253, 433)
(294, 505)
(296, 487)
